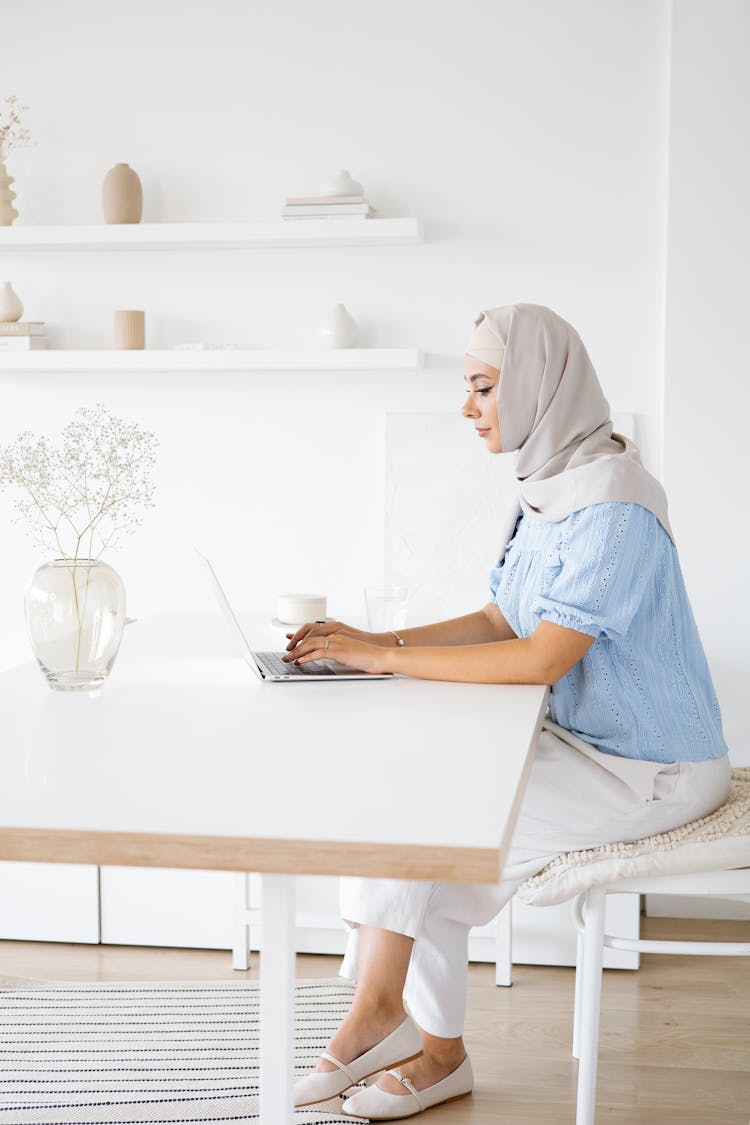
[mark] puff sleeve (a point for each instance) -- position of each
(607, 567)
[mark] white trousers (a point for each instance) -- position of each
(576, 798)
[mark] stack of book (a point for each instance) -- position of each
(326, 207)
(22, 335)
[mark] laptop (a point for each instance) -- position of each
(269, 666)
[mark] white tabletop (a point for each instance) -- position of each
(184, 742)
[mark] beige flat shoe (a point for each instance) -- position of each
(378, 1105)
(401, 1046)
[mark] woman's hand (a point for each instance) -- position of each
(324, 629)
(327, 628)
(345, 645)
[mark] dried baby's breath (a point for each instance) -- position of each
(83, 496)
(13, 134)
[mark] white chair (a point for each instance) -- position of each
(589, 913)
(707, 857)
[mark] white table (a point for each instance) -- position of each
(185, 759)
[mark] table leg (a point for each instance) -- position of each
(277, 1000)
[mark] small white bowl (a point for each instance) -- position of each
(294, 625)
(301, 607)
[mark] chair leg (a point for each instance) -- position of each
(593, 951)
(241, 946)
(578, 1002)
(503, 948)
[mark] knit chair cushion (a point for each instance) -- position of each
(718, 842)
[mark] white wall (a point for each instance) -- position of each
(707, 371)
(529, 138)
(532, 139)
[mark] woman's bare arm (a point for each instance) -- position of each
(544, 657)
(487, 624)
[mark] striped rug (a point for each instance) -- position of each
(156, 1052)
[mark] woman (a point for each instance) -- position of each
(587, 597)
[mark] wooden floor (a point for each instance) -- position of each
(675, 1038)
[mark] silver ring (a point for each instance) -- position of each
(320, 622)
(326, 644)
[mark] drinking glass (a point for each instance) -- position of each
(386, 607)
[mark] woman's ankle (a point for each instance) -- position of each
(443, 1052)
(361, 1030)
(378, 1011)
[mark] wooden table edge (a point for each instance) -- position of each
(262, 854)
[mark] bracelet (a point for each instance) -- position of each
(399, 640)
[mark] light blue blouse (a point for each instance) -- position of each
(643, 689)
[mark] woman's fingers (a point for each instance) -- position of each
(301, 633)
(312, 628)
(342, 648)
(305, 633)
(308, 645)
(316, 646)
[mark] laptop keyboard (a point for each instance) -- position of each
(273, 663)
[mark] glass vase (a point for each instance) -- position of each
(75, 614)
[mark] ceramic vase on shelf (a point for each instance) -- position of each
(75, 615)
(342, 184)
(338, 329)
(7, 211)
(130, 329)
(10, 303)
(122, 195)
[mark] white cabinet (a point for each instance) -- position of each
(49, 902)
(156, 906)
(196, 910)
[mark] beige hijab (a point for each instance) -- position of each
(553, 413)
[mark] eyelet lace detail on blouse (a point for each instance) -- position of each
(643, 689)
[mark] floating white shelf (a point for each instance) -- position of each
(169, 359)
(222, 236)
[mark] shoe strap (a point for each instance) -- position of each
(340, 1065)
(409, 1086)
